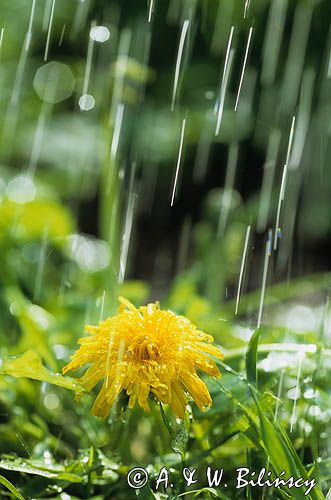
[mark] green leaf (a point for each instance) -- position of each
(146, 493)
(35, 323)
(249, 465)
(251, 357)
(181, 435)
(282, 454)
(11, 488)
(207, 492)
(29, 365)
(54, 471)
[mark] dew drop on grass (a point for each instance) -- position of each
(47, 457)
(179, 442)
(65, 496)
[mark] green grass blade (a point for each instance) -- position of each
(251, 357)
(29, 365)
(11, 488)
(283, 456)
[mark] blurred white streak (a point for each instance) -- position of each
(1, 38)
(62, 35)
(29, 32)
(303, 121)
(329, 66)
(19, 74)
(47, 12)
(228, 188)
(12, 111)
(120, 71)
(117, 131)
(115, 143)
(283, 185)
(178, 61)
(223, 93)
(79, 22)
(244, 66)
(49, 31)
(296, 57)
(223, 21)
(296, 392)
(268, 179)
(264, 277)
(279, 393)
(132, 199)
(247, 3)
(225, 77)
(272, 41)
(242, 267)
(88, 61)
(178, 161)
(37, 141)
(150, 10)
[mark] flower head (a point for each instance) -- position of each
(145, 351)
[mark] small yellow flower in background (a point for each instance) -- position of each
(146, 351)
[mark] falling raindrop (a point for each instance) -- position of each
(51, 401)
(50, 23)
(315, 411)
(100, 33)
(54, 82)
(21, 189)
(310, 393)
(89, 253)
(179, 61)
(174, 189)
(86, 102)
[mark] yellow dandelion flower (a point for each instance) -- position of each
(145, 351)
